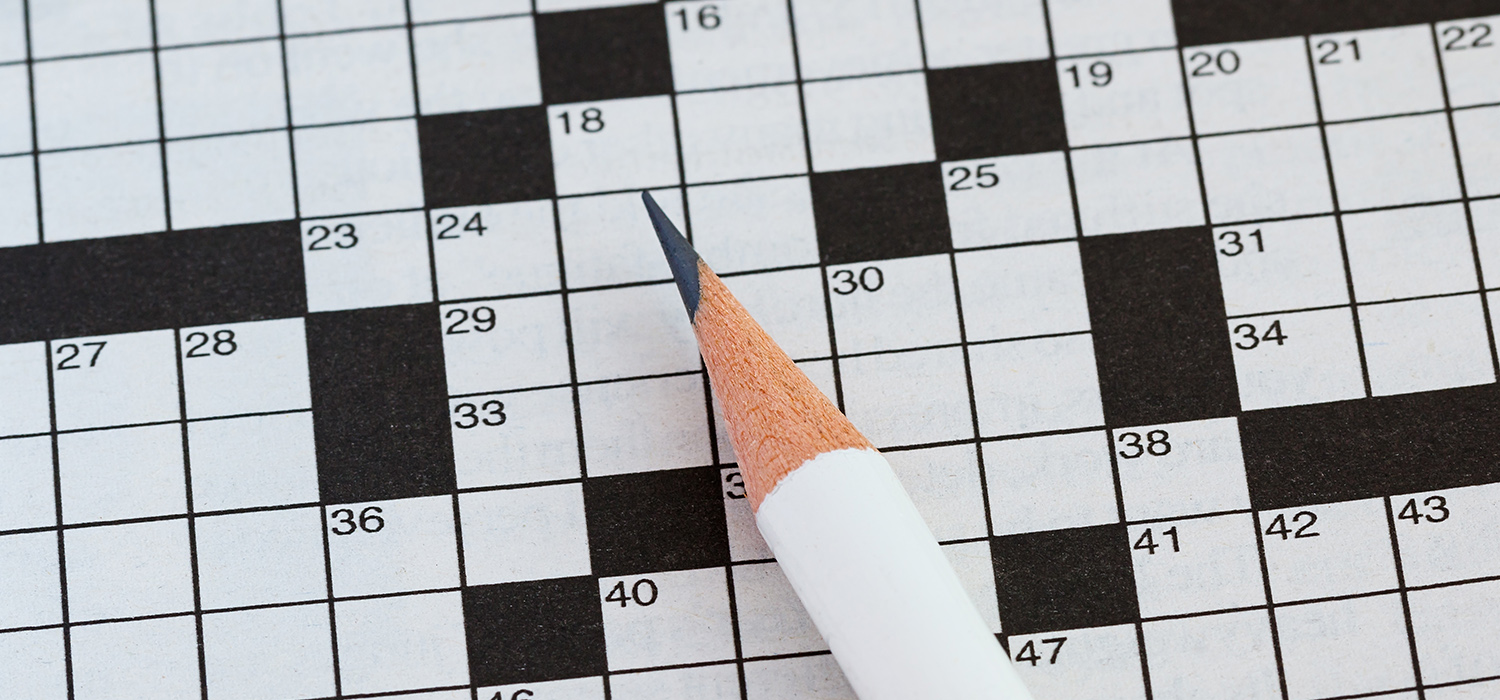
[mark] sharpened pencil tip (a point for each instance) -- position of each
(680, 254)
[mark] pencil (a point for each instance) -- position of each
(861, 559)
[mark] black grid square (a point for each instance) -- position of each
(996, 110)
(656, 521)
(603, 54)
(1064, 579)
(486, 157)
(534, 631)
(880, 213)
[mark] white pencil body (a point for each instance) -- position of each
(878, 587)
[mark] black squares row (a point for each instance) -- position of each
(962, 33)
(349, 76)
(524, 534)
(715, 682)
(657, 521)
(23, 371)
(1376, 72)
(1426, 344)
(868, 122)
(244, 368)
(944, 484)
(1251, 85)
(1469, 74)
(102, 192)
(1265, 174)
(1400, 253)
(534, 632)
(1028, 477)
(1095, 26)
(740, 134)
(1328, 550)
(35, 664)
(360, 167)
(626, 144)
(117, 571)
(893, 304)
(29, 498)
(428, 629)
(1181, 469)
(114, 380)
(222, 88)
(666, 618)
(494, 250)
(883, 37)
(607, 241)
(111, 27)
(273, 556)
(471, 158)
(754, 225)
(880, 213)
(366, 261)
(1344, 647)
(122, 473)
(1449, 652)
(501, 439)
(1116, 99)
(1280, 265)
(631, 332)
(1022, 291)
(1448, 535)
(471, 66)
(817, 676)
(1479, 149)
(1095, 663)
(505, 344)
(392, 546)
(1137, 188)
(616, 442)
(908, 398)
(253, 461)
(15, 114)
(996, 110)
(1028, 386)
(1404, 160)
(95, 101)
(1196, 565)
(1013, 199)
(1064, 579)
(718, 45)
(601, 54)
(18, 202)
(1178, 650)
(31, 592)
(1291, 359)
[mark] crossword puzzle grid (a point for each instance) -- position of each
(340, 360)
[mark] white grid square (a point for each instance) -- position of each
(745, 541)
(1450, 652)
(1328, 550)
(90, 26)
(1252, 85)
(1376, 72)
(519, 255)
(403, 642)
(718, 682)
(217, 89)
(362, 167)
(441, 10)
(1181, 469)
(23, 373)
(27, 498)
(102, 192)
(974, 32)
(631, 332)
(328, 15)
(1196, 565)
(1242, 657)
(1022, 291)
(1318, 360)
(586, 688)
(230, 180)
(264, 368)
(1265, 175)
(416, 547)
(1479, 148)
(264, 557)
(95, 101)
(1344, 647)
(811, 676)
(140, 659)
(609, 240)
(115, 379)
(1472, 77)
(1392, 161)
(908, 398)
(505, 344)
(239, 647)
(18, 220)
(750, 44)
(1031, 201)
(1281, 265)
(1141, 100)
(1028, 477)
(893, 304)
(868, 122)
(538, 443)
(122, 473)
(346, 77)
(253, 461)
(972, 563)
(1027, 386)
(692, 623)
(1486, 216)
(789, 306)
(833, 42)
(741, 134)
(128, 570)
(1138, 188)
(770, 617)
(524, 534)
(196, 22)
(618, 443)
(31, 590)
(1400, 253)
(560, 5)
(12, 31)
(35, 664)
(366, 261)
(1103, 663)
(1426, 344)
(15, 110)
(1102, 26)
(754, 225)
(471, 66)
(943, 483)
(1457, 550)
(628, 144)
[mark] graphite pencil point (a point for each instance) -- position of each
(680, 254)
